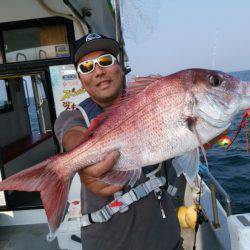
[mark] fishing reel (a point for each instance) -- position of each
(201, 217)
(191, 216)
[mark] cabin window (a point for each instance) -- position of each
(5, 100)
(36, 43)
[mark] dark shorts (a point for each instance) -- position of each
(140, 228)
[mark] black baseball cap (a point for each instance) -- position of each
(93, 42)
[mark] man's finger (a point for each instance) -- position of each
(104, 166)
(95, 186)
(110, 190)
(99, 187)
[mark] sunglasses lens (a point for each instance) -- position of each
(86, 66)
(105, 60)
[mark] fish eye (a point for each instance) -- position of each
(215, 81)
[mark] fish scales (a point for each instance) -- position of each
(128, 136)
(166, 118)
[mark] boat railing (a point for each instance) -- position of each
(215, 188)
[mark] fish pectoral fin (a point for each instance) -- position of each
(121, 178)
(187, 164)
(191, 121)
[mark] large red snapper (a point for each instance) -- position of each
(161, 118)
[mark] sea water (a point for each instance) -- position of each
(232, 167)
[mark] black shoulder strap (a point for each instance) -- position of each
(89, 110)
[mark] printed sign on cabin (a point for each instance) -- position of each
(67, 88)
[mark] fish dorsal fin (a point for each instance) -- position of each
(188, 164)
(146, 79)
(140, 83)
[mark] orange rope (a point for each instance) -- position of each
(246, 127)
(247, 142)
(243, 124)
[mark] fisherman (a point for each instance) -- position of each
(148, 223)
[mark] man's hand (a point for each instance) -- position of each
(90, 176)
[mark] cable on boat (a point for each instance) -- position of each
(200, 216)
(242, 124)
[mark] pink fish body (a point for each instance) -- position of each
(160, 118)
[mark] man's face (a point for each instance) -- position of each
(104, 84)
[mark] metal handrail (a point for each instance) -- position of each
(3, 176)
(27, 92)
(214, 206)
(222, 192)
(20, 54)
(213, 187)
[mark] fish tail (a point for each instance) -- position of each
(53, 190)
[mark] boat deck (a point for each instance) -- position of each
(206, 239)
(31, 237)
(28, 237)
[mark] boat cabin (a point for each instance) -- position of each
(38, 79)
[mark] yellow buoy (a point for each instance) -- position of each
(187, 216)
(181, 214)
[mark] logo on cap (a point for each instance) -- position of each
(92, 36)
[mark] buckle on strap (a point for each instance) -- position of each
(155, 183)
(129, 197)
(172, 190)
(85, 220)
(102, 215)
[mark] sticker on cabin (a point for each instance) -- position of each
(68, 93)
(62, 50)
(67, 89)
(69, 105)
(54, 76)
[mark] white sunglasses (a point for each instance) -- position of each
(88, 66)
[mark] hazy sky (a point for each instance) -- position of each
(188, 33)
